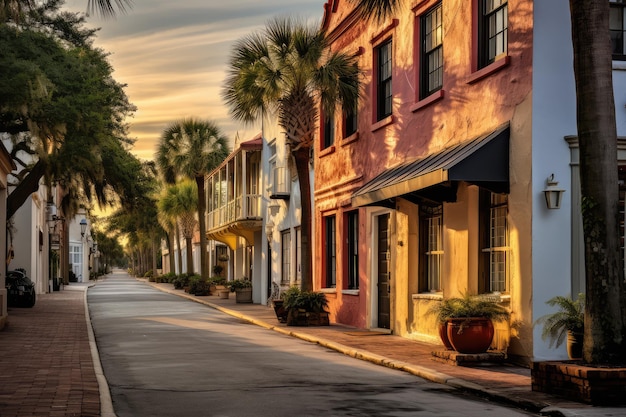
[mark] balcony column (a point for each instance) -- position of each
(244, 185)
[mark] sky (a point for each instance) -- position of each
(173, 56)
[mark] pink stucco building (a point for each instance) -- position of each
(424, 193)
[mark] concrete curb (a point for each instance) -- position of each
(422, 372)
(106, 403)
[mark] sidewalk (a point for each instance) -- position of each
(49, 364)
(46, 366)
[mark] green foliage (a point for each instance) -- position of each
(238, 284)
(198, 285)
(181, 281)
(62, 108)
(167, 278)
(312, 301)
(217, 269)
(149, 274)
(570, 316)
(217, 280)
(466, 307)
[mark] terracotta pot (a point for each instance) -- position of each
(223, 294)
(443, 334)
(470, 335)
(574, 345)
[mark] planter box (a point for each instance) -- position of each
(306, 318)
(281, 313)
(223, 294)
(575, 381)
(243, 295)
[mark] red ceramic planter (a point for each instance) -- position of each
(470, 335)
(443, 334)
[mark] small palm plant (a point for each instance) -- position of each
(570, 317)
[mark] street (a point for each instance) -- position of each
(166, 356)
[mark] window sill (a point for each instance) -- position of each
(619, 65)
(382, 123)
(433, 98)
(349, 139)
(435, 296)
(329, 290)
(489, 69)
(327, 151)
(350, 292)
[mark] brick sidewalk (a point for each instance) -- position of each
(46, 367)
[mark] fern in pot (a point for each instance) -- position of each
(568, 321)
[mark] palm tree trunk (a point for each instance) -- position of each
(605, 312)
(170, 251)
(302, 158)
(204, 259)
(179, 250)
(188, 240)
(154, 257)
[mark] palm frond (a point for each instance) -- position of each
(378, 10)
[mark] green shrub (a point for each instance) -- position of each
(198, 285)
(166, 278)
(238, 284)
(148, 274)
(181, 281)
(217, 281)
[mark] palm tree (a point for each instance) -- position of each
(191, 148)
(286, 70)
(377, 9)
(605, 312)
(181, 201)
(15, 9)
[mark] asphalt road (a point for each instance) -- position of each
(166, 356)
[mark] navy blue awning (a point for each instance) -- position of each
(482, 161)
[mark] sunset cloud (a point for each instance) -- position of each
(173, 57)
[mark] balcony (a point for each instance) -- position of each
(233, 201)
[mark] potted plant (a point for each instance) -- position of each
(305, 308)
(242, 289)
(568, 320)
(443, 311)
(469, 321)
(217, 269)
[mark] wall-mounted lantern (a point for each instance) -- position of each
(83, 227)
(553, 193)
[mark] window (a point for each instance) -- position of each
(352, 249)
(493, 30)
(330, 252)
(431, 247)
(298, 254)
(494, 245)
(431, 78)
(383, 80)
(285, 240)
(329, 132)
(350, 122)
(616, 27)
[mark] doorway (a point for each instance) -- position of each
(383, 264)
